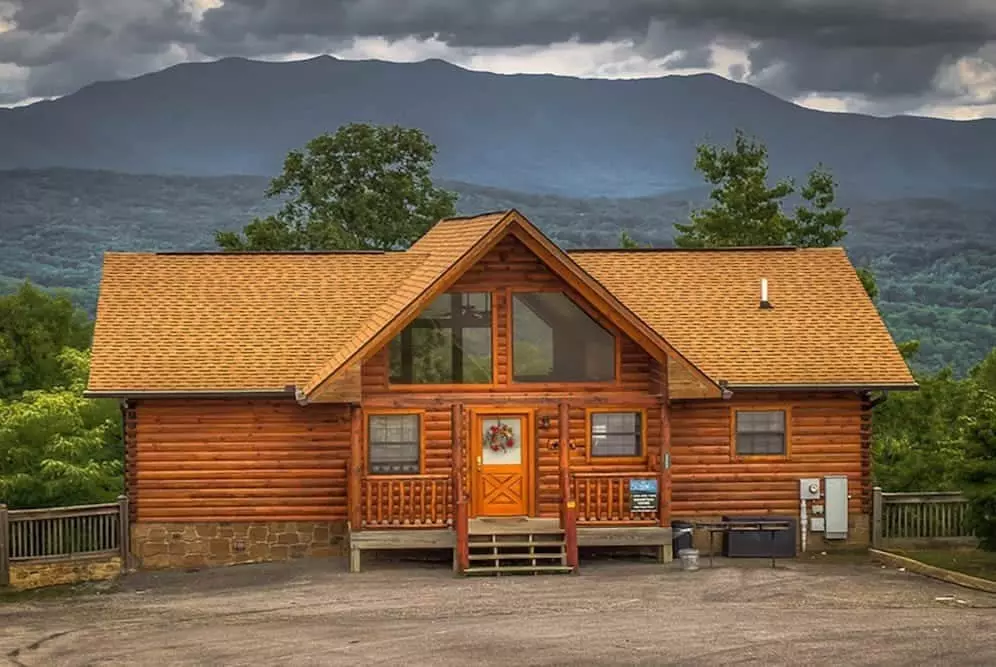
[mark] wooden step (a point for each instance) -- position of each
(519, 569)
(517, 544)
(518, 556)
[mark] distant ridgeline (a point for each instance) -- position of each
(935, 258)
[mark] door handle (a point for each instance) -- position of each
(478, 462)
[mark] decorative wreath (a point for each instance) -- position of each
(500, 438)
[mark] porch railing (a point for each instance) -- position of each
(411, 501)
(604, 498)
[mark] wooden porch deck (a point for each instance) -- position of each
(445, 538)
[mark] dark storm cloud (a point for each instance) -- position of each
(880, 48)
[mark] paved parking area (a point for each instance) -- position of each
(626, 613)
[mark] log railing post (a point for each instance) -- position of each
(461, 556)
(4, 546)
(354, 469)
(876, 527)
(568, 508)
(124, 533)
(664, 469)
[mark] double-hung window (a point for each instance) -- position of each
(394, 444)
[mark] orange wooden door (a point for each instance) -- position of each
(500, 461)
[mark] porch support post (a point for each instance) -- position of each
(568, 508)
(461, 557)
(664, 469)
(354, 469)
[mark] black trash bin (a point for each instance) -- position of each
(680, 540)
(760, 544)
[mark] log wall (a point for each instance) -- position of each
(237, 460)
(825, 438)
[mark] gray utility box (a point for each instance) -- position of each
(760, 544)
(835, 497)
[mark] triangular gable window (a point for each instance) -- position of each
(554, 340)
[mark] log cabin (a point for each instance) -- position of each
(485, 391)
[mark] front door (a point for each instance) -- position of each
(500, 456)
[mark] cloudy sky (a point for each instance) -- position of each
(927, 57)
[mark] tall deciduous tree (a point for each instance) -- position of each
(34, 328)
(364, 187)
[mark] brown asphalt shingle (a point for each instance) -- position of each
(222, 322)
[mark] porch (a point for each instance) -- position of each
(628, 508)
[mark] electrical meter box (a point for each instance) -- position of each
(809, 489)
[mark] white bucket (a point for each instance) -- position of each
(689, 559)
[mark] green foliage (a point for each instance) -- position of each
(629, 243)
(979, 477)
(34, 327)
(746, 211)
(364, 187)
(918, 441)
(58, 448)
(869, 282)
(985, 373)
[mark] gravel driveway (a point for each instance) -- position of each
(308, 613)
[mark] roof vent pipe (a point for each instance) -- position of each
(764, 294)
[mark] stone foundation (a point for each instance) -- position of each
(38, 574)
(858, 537)
(157, 546)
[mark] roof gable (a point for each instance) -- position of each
(455, 245)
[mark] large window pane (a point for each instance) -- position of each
(554, 340)
(449, 343)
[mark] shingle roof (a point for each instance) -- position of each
(822, 328)
(261, 322)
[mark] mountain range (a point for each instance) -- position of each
(532, 133)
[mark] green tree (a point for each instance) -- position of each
(747, 211)
(58, 448)
(979, 477)
(34, 328)
(919, 437)
(364, 187)
(985, 372)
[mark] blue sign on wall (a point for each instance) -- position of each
(643, 495)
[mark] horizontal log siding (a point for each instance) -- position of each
(826, 439)
(511, 265)
(238, 460)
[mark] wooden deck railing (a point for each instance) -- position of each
(603, 498)
(63, 534)
(408, 501)
(937, 516)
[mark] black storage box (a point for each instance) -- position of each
(680, 541)
(760, 544)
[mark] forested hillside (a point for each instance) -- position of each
(935, 258)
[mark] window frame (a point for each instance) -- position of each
(453, 386)
(735, 455)
(589, 453)
(388, 412)
(574, 298)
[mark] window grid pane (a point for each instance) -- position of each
(393, 444)
(760, 432)
(616, 434)
(448, 343)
